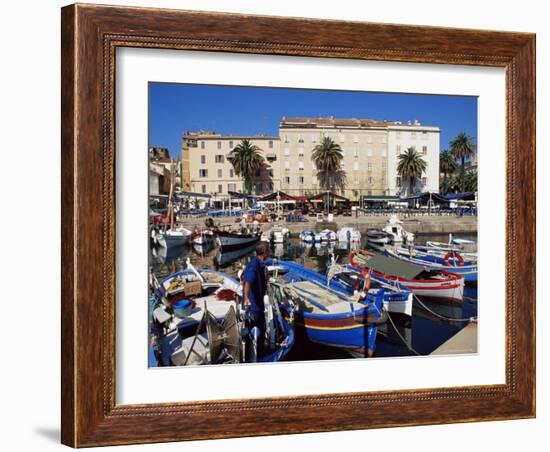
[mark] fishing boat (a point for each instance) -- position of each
(347, 280)
(349, 235)
(276, 234)
(394, 227)
(468, 272)
(197, 318)
(449, 257)
(459, 241)
(308, 236)
(422, 281)
(326, 235)
(379, 237)
(230, 240)
(454, 244)
(173, 237)
(332, 318)
(203, 237)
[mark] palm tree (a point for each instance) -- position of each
(327, 157)
(447, 164)
(246, 160)
(411, 166)
(462, 147)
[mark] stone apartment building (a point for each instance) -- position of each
(206, 168)
(370, 148)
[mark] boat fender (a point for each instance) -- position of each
(453, 255)
(365, 274)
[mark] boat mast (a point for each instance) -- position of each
(171, 194)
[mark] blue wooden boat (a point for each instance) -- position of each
(449, 257)
(190, 304)
(348, 280)
(467, 270)
(326, 313)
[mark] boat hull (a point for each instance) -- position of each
(448, 290)
(449, 287)
(355, 332)
(229, 242)
(468, 272)
(171, 241)
(378, 240)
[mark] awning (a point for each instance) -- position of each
(392, 267)
(333, 196)
(380, 198)
(278, 196)
(190, 194)
(236, 194)
(467, 196)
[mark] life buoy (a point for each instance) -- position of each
(454, 255)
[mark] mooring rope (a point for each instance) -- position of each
(401, 337)
(449, 319)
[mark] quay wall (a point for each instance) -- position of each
(418, 225)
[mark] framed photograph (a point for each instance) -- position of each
(282, 225)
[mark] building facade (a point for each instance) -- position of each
(160, 171)
(206, 168)
(425, 140)
(370, 148)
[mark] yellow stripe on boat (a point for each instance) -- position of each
(349, 327)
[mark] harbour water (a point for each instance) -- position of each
(422, 333)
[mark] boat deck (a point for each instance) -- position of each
(320, 300)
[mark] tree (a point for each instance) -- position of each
(447, 164)
(246, 160)
(461, 182)
(462, 147)
(411, 165)
(327, 157)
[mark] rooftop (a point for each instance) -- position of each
(334, 122)
(337, 123)
(211, 135)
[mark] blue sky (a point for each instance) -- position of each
(175, 108)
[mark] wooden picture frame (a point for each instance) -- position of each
(90, 36)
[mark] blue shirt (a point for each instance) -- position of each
(254, 273)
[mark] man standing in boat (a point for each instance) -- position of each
(255, 288)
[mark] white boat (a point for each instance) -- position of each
(308, 236)
(454, 244)
(202, 238)
(349, 234)
(277, 234)
(326, 235)
(394, 227)
(377, 236)
(227, 240)
(173, 237)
